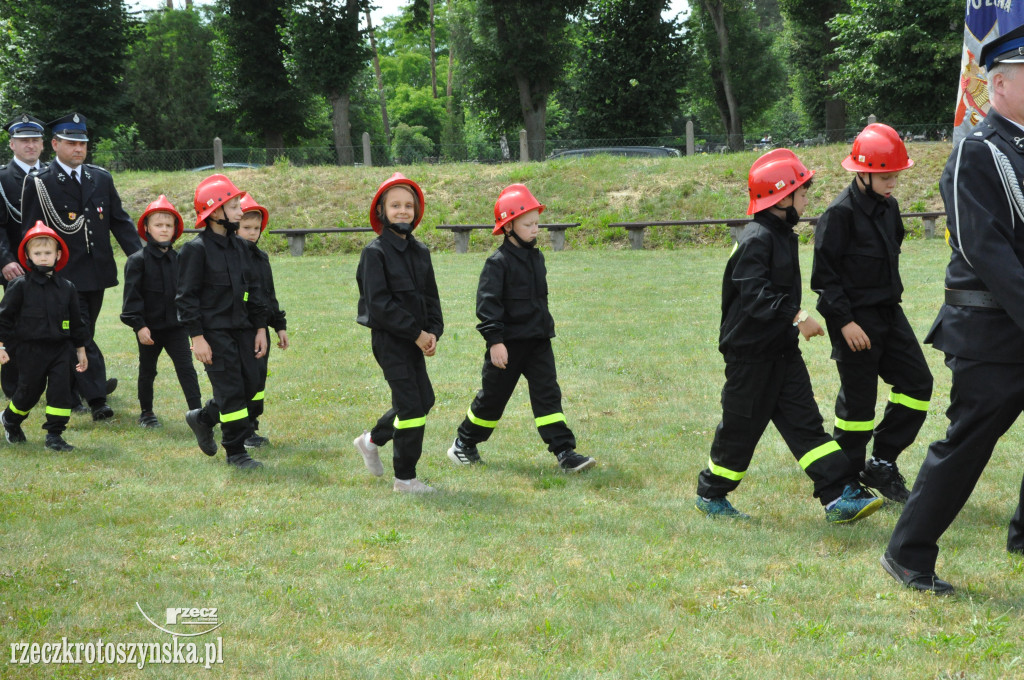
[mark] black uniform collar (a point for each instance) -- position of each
(1006, 129)
(521, 253)
(396, 241)
(155, 251)
(865, 202)
(774, 223)
(36, 277)
(214, 237)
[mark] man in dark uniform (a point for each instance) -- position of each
(78, 201)
(26, 142)
(981, 325)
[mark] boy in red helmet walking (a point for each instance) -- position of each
(45, 336)
(856, 275)
(399, 303)
(765, 375)
(512, 305)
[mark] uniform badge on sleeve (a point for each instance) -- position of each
(72, 216)
(1019, 143)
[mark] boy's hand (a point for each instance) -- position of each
(83, 363)
(145, 338)
(810, 327)
(432, 349)
(261, 343)
(499, 355)
(282, 339)
(423, 342)
(202, 350)
(855, 337)
(4, 357)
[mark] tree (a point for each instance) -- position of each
(893, 57)
(628, 75)
(326, 52)
(60, 56)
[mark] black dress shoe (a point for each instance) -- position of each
(111, 385)
(926, 582)
(102, 412)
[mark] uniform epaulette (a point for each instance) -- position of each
(96, 167)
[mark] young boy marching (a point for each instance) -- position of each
(150, 285)
(512, 305)
(221, 306)
(254, 222)
(399, 303)
(765, 375)
(856, 275)
(41, 311)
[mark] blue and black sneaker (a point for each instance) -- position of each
(855, 503)
(718, 507)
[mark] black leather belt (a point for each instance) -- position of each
(972, 298)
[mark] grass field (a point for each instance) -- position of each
(513, 570)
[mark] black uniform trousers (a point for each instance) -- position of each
(895, 357)
(176, 343)
(92, 384)
(234, 376)
(985, 400)
(43, 365)
(9, 371)
(412, 397)
(256, 403)
(778, 391)
(534, 359)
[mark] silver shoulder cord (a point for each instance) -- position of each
(15, 213)
(1009, 177)
(53, 217)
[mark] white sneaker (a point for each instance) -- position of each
(412, 486)
(370, 453)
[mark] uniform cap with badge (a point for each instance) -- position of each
(71, 127)
(23, 126)
(1006, 49)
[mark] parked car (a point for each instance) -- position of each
(636, 151)
(228, 166)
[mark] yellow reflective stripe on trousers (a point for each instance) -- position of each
(818, 452)
(725, 472)
(855, 425)
(412, 422)
(547, 420)
(480, 421)
(258, 396)
(237, 415)
(15, 409)
(909, 402)
(53, 411)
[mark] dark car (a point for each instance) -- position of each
(635, 151)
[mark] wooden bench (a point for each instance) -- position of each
(462, 232)
(297, 237)
(636, 230)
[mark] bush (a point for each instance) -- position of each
(410, 145)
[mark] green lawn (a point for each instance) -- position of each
(514, 570)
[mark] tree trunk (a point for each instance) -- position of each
(433, 53)
(380, 80)
(275, 144)
(342, 128)
(835, 120)
(535, 112)
(733, 124)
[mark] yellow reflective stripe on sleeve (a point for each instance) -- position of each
(855, 425)
(237, 415)
(65, 325)
(15, 409)
(258, 396)
(818, 452)
(412, 422)
(909, 402)
(245, 296)
(725, 472)
(53, 411)
(480, 421)
(547, 420)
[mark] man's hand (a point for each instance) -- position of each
(12, 271)
(145, 337)
(855, 337)
(201, 349)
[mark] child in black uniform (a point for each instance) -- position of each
(221, 305)
(254, 221)
(765, 375)
(150, 284)
(399, 303)
(856, 275)
(512, 305)
(41, 311)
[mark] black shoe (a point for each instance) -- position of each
(55, 442)
(102, 412)
(256, 441)
(918, 580)
(149, 420)
(886, 478)
(243, 461)
(111, 385)
(80, 409)
(203, 432)
(570, 461)
(12, 433)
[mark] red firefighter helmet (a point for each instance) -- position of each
(212, 193)
(393, 181)
(513, 201)
(774, 176)
(249, 204)
(160, 205)
(878, 148)
(40, 229)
